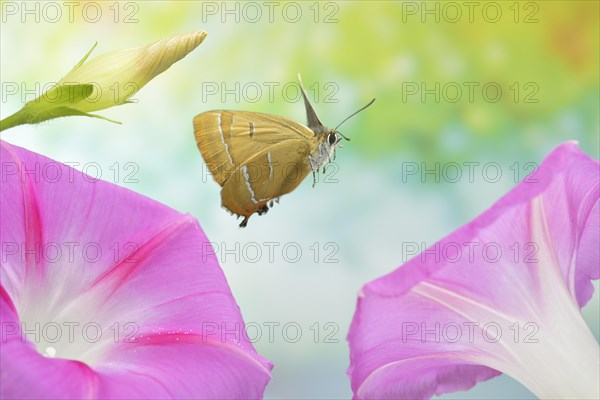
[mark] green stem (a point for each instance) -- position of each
(18, 118)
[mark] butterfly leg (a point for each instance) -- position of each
(314, 178)
(244, 222)
(263, 210)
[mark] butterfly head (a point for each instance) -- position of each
(334, 137)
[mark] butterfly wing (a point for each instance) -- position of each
(227, 139)
(267, 176)
(255, 157)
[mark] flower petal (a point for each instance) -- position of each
(58, 232)
(588, 258)
(433, 325)
(85, 253)
(219, 371)
(146, 371)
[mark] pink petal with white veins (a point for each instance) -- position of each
(123, 295)
(500, 294)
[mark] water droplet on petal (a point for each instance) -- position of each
(50, 352)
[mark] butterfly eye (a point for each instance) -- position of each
(332, 138)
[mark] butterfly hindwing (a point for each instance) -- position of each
(266, 176)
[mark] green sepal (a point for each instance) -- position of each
(84, 58)
(60, 95)
(55, 103)
(62, 111)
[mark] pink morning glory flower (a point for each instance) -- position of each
(501, 294)
(107, 294)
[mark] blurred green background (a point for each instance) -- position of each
(495, 84)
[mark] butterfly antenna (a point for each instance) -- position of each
(342, 135)
(352, 115)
